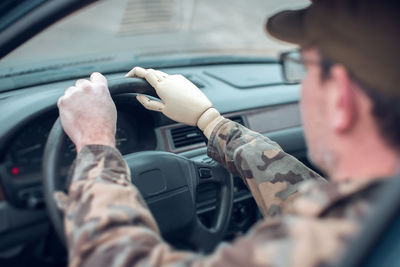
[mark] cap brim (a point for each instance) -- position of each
(288, 26)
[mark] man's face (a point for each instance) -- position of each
(313, 109)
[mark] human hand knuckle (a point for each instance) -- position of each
(59, 102)
(102, 87)
(86, 86)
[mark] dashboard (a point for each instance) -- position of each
(23, 158)
(251, 94)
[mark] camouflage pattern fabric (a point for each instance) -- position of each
(272, 175)
(107, 223)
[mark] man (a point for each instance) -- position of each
(350, 108)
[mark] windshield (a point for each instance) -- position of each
(113, 29)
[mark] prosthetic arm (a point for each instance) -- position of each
(182, 101)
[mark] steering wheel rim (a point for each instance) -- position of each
(202, 238)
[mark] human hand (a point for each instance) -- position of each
(182, 100)
(87, 112)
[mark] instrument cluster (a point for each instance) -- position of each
(23, 158)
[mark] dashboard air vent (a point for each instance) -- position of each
(188, 135)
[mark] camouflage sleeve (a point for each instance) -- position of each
(272, 175)
(108, 224)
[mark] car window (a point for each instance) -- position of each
(128, 28)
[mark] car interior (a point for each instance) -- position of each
(247, 90)
(28, 114)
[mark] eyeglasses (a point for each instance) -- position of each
(293, 69)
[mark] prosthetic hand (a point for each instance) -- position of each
(182, 100)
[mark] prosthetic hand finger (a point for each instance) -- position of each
(136, 72)
(149, 75)
(150, 104)
(152, 79)
(161, 75)
(141, 73)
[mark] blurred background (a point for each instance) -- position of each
(147, 28)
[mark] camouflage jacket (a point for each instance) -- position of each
(107, 223)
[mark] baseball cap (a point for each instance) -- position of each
(363, 35)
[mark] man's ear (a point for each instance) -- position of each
(343, 104)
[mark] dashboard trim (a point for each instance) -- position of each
(281, 116)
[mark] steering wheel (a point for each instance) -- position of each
(167, 181)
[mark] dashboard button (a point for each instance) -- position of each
(205, 173)
(32, 198)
